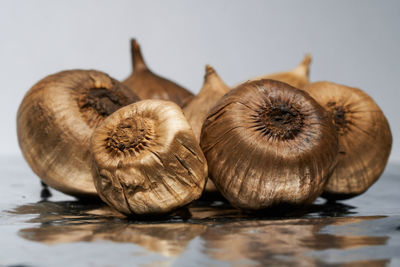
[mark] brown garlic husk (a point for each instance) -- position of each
(147, 160)
(55, 122)
(196, 111)
(297, 77)
(269, 144)
(147, 85)
(365, 139)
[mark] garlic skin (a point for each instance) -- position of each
(269, 144)
(55, 122)
(147, 85)
(297, 77)
(365, 139)
(197, 109)
(147, 160)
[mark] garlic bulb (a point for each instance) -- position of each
(269, 144)
(297, 77)
(55, 122)
(147, 160)
(365, 139)
(147, 85)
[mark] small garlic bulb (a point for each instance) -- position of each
(365, 139)
(147, 160)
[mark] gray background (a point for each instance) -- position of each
(352, 42)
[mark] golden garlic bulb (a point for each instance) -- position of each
(55, 122)
(197, 109)
(147, 160)
(147, 85)
(365, 139)
(269, 144)
(297, 77)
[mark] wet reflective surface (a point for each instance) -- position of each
(57, 230)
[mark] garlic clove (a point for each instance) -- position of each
(55, 122)
(365, 139)
(147, 85)
(147, 160)
(269, 144)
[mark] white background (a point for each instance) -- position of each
(352, 42)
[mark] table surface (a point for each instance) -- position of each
(60, 231)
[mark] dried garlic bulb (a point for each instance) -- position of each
(197, 109)
(212, 91)
(147, 85)
(297, 77)
(147, 160)
(55, 122)
(365, 139)
(267, 144)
